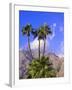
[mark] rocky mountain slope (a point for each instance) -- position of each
(25, 58)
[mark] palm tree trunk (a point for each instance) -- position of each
(44, 47)
(29, 46)
(39, 49)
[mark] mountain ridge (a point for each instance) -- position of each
(25, 58)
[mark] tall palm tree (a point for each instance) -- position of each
(26, 31)
(38, 33)
(42, 33)
(39, 38)
(46, 31)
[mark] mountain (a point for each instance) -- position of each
(58, 64)
(25, 58)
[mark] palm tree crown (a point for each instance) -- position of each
(42, 33)
(46, 31)
(26, 31)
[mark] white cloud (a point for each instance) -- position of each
(61, 29)
(54, 25)
(35, 44)
(52, 36)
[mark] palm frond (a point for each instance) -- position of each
(35, 33)
(23, 31)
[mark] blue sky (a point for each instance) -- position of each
(36, 19)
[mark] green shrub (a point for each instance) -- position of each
(41, 68)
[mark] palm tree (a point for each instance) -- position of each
(42, 33)
(40, 36)
(26, 31)
(46, 31)
(38, 33)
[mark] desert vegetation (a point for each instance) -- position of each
(40, 67)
